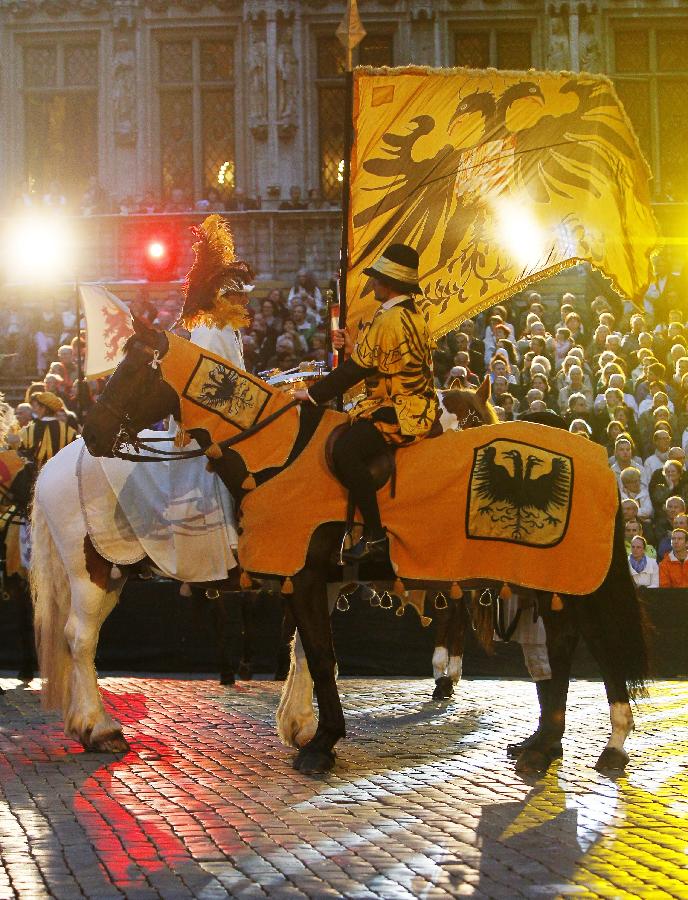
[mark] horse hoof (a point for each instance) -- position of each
(115, 742)
(26, 675)
(513, 751)
(245, 671)
(612, 760)
(531, 761)
(227, 678)
(444, 688)
(314, 762)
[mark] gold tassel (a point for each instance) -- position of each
(245, 581)
(185, 590)
(399, 589)
(557, 603)
(455, 592)
(115, 572)
(214, 451)
(505, 592)
(287, 586)
(249, 483)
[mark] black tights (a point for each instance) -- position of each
(358, 444)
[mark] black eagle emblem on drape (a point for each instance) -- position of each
(450, 176)
(519, 493)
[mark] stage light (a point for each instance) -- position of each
(156, 250)
(38, 250)
(160, 255)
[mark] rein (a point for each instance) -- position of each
(123, 439)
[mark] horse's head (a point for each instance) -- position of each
(464, 408)
(135, 396)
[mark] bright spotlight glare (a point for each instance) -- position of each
(519, 232)
(37, 250)
(156, 250)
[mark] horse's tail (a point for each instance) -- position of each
(619, 612)
(50, 593)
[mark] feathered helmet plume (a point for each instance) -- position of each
(217, 285)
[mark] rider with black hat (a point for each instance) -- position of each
(392, 356)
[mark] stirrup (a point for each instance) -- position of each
(347, 534)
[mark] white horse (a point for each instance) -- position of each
(70, 606)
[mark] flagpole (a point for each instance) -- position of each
(79, 367)
(350, 33)
(346, 185)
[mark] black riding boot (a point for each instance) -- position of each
(543, 691)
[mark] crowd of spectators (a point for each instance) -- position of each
(613, 375)
(95, 200)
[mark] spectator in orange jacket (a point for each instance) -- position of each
(673, 569)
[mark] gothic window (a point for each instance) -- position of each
(499, 47)
(60, 98)
(197, 113)
(376, 49)
(651, 78)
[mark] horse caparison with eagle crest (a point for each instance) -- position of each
(138, 390)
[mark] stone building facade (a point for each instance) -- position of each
(152, 96)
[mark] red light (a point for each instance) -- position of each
(157, 250)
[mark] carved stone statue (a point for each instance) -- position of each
(559, 55)
(589, 50)
(258, 56)
(124, 91)
(286, 79)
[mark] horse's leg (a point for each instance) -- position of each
(248, 632)
(287, 630)
(296, 720)
(223, 642)
(440, 657)
(562, 636)
(537, 663)
(26, 636)
(85, 717)
(613, 757)
(309, 606)
(457, 640)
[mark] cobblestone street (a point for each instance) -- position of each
(423, 802)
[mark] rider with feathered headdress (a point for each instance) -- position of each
(216, 291)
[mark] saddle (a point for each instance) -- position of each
(382, 467)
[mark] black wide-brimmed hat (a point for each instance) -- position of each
(397, 267)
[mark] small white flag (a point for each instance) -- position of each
(108, 325)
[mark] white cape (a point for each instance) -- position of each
(175, 512)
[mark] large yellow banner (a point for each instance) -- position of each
(497, 179)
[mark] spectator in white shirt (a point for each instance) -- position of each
(631, 487)
(623, 458)
(662, 444)
(644, 569)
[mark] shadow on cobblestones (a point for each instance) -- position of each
(423, 802)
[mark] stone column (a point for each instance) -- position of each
(573, 38)
(119, 102)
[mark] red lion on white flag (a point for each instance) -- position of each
(108, 325)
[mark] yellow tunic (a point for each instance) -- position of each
(397, 344)
(46, 437)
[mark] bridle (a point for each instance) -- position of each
(127, 436)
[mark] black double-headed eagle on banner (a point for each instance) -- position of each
(497, 179)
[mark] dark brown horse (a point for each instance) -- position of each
(610, 619)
